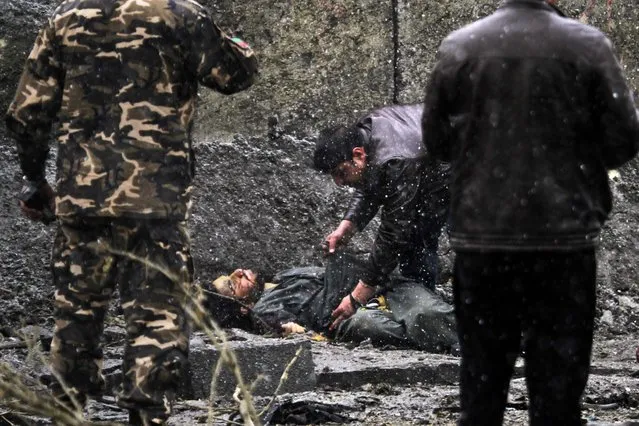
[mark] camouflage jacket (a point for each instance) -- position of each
(120, 78)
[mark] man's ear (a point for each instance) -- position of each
(359, 153)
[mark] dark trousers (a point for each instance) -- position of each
(416, 318)
(545, 300)
(421, 261)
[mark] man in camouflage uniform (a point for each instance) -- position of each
(121, 79)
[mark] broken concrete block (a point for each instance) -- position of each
(32, 334)
(257, 356)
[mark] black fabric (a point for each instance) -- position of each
(548, 300)
(393, 132)
(415, 318)
(531, 119)
(309, 295)
(418, 318)
(428, 320)
(290, 412)
(378, 326)
(408, 186)
(228, 312)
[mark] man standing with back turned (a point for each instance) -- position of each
(532, 110)
(121, 78)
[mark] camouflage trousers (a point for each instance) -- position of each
(91, 257)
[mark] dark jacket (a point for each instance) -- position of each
(401, 179)
(308, 295)
(532, 109)
(121, 81)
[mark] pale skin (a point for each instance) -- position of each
(243, 281)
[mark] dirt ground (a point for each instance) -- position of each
(611, 397)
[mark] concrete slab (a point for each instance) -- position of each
(257, 356)
(340, 367)
(325, 365)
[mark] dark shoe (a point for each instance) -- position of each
(134, 418)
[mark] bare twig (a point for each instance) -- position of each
(243, 407)
(4, 418)
(200, 317)
(16, 395)
(216, 373)
(13, 345)
(283, 380)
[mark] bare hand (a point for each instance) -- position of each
(292, 328)
(338, 237)
(344, 311)
(36, 214)
(333, 241)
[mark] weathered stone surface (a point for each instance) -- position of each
(258, 204)
(321, 60)
(339, 367)
(422, 25)
(257, 357)
(344, 368)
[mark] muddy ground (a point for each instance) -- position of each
(611, 397)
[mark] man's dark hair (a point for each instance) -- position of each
(257, 290)
(334, 146)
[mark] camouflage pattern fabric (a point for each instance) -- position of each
(86, 268)
(121, 76)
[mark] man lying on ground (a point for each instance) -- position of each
(402, 314)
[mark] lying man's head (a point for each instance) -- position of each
(339, 151)
(242, 285)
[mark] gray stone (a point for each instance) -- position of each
(257, 356)
(343, 368)
(320, 61)
(32, 334)
(258, 204)
(607, 318)
(114, 334)
(340, 367)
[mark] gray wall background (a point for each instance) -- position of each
(258, 203)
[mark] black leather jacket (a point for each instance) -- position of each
(532, 110)
(401, 179)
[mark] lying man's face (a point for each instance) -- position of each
(239, 285)
(244, 283)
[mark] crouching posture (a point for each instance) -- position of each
(383, 157)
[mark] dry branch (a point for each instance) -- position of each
(200, 317)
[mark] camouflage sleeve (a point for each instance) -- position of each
(36, 104)
(226, 64)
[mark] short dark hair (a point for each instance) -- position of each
(334, 146)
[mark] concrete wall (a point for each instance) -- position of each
(322, 61)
